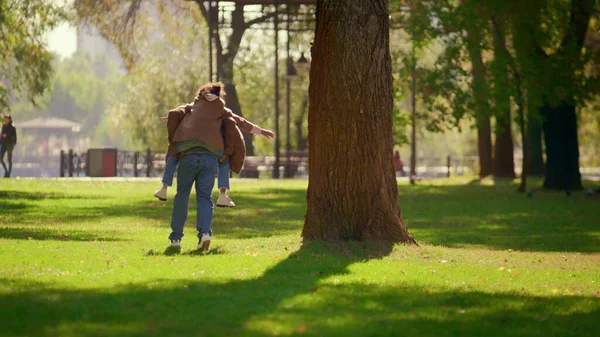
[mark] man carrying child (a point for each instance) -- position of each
(195, 135)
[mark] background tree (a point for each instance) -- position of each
(117, 20)
(534, 56)
(352, 193)
(25, 64)
(458, 87)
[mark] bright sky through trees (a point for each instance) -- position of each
(63, 40)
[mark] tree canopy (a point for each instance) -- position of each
(25, 63)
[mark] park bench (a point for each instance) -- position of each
(297, 162)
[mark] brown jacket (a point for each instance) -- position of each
(203, 123)
(235, 146)
(174, 117)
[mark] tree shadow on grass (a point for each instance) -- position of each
(494, 217)
(299, 296)
(81, 210)
(41, 195)
(19, 233)
(270, 212)
(497, 217)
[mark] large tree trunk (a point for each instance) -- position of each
(560, 121)
(535, 167)
(484, 146)
(352, 192)
(482, 107)
(504, 162)
(562, 148)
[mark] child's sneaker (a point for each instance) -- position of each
(161, 194)
(225, 201)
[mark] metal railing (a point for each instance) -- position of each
(152, 164)
(129, 164)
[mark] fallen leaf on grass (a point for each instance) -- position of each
(301, 329)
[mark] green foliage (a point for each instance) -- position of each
(550, 70)
(169, 71)
(86, 258)
(25, 64)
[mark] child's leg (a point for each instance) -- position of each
(223, 177)
(170, 169)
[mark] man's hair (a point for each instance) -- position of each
(215, 88)
(9, 117)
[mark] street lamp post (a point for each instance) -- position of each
(277, 144)
(290, 75)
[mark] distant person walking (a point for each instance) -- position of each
(8, 140)
(398, 164)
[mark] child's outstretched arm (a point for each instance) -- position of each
(249, 127)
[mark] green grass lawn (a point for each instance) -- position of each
(85, 258)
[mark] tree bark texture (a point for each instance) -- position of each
(504, 162)
(352, 193)
(484, 146)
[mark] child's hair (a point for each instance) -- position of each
(215, 88)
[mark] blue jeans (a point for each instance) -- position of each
(223, 176)
(198, 168)
(170, 168)
(6, 149)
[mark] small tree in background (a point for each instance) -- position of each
(25, 63)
